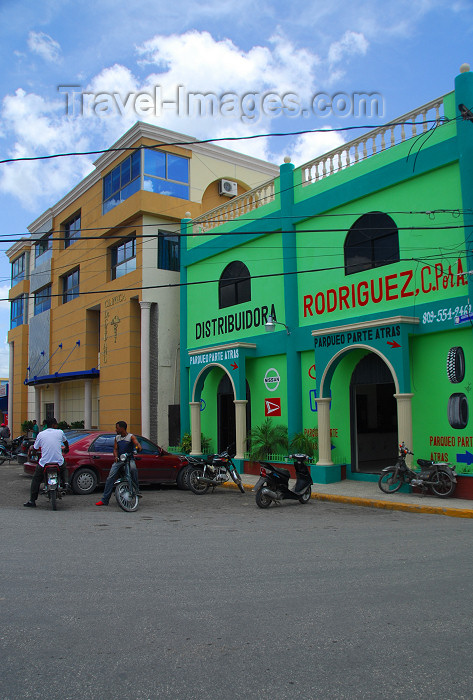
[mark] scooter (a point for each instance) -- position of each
(439, 477)
(273, 484)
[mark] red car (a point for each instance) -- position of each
(90, 457)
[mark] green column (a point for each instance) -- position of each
(464, 97)
(184, 378)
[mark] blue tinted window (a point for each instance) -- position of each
(16, 312)
(168, 251)
(42, 300)
(71, 230)
(18, 269)
(70, 286)
(104, 443)
(178, 168)
(123, 258)
(155, 163)
(122, 182)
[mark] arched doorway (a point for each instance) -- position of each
(373, 416)
(226, 423)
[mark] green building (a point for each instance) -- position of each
(359, 264)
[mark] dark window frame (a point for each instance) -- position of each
(371, 242)
(20, 274)
(169, 251)
(19, 318)
(234, 286)
(116, 264)
(70, 292)
(70, 229)
(44, 245)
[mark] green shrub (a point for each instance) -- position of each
(186, 444)
(303, 444)
(267, 438)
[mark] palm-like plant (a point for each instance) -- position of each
(303, 444)
(267, 438)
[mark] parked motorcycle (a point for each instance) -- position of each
(439, 477)
(273, 484)
(6, 451)
(212, 472)
(22, 445)
(52, 489)
(126, 493)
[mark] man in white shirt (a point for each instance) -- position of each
(50, 442)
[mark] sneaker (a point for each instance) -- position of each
(101, 503)
(30, 504)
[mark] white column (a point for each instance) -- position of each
(240, 424)
(88, 404)
(404, 421)
(37, 404)
(325, 451)
(195, 428)
(57, 402)
(145, 368)
(10, 390)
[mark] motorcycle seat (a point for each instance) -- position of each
(282, 472)
(426, 463)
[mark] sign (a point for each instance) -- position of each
(272, 407)
(271, 379)
(313, 400)
(357, 336)
(234, 323)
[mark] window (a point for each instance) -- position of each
(104, 443)
(18, 269)
(17, 311)
(121, 182)
(123, 258)
(42, 300)
(71, 230)
(373, 241)
(166, 173)
(44, 248)
(70, 286)
(234, 286)
(168, 251)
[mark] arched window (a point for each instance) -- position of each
(372, 241)
(234, 286)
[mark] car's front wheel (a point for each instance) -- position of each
(84, 481)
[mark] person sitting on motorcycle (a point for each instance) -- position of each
(50, 442)
(124, 444)
(5, 432)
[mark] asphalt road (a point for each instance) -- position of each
(209, 597)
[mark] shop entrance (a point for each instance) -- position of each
(226, 425)
(373, 416)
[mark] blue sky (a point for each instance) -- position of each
(406, 52)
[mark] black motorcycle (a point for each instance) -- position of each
(439, 477)
(273, 484)
(211, 472)
(53, 489)
(6, 451)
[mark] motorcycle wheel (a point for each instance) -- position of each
(194, 485)
(262, 500)
(126, 497)
(445, 487)
(237, 479)
(305, 498)
(389, 482)
(52, 498)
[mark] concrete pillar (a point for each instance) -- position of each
(88, 404)
(404, 421)
(37, 405)
(325, 451)
(10, 391)
(195, 428)
(145, 368)
(57, 402)
(240, 423)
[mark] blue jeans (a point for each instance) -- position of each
(112, 477)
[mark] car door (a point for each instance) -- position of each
(101, 454)
(152, 464)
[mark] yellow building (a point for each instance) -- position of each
(94, 323)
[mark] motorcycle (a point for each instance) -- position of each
(213, 472)
(6, 452)
(52, 489)
(22, 445)
(126, 492)
(273, 484)
(439, 477)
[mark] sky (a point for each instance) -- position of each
(75, 75)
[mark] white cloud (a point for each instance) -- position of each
(351, 43)
(45, 46)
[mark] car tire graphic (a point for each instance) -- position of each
(457, 411)
(456, 365)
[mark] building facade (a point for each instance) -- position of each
(360, 263)
(95, 288)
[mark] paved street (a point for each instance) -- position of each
(210, 597)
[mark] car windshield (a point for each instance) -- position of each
(73, 435)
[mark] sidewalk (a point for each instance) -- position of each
(367, 493)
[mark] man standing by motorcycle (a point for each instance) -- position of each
(124, 443)
(50, 442)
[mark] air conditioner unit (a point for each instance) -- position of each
(228, 188)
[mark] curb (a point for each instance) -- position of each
(386, 505)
